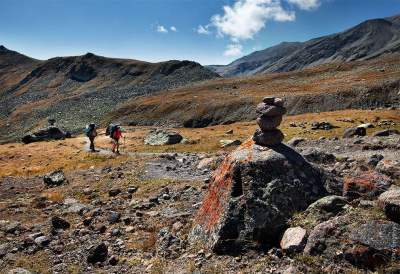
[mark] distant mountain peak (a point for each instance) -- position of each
(369, 39)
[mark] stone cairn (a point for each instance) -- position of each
(272, 111)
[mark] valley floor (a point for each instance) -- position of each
(141, 203)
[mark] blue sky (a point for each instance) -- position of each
(206, 31)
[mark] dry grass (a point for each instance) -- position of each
(209, 137)
(42, 157)
(37, 263)
(39, 158)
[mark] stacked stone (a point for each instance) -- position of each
(272, 111)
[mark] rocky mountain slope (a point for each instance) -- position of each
(367, 40)
(79, 89)
(354, 85)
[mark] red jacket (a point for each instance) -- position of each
(117, 134)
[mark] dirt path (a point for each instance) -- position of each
(175, 166)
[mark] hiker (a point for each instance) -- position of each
(115, 133)
(91, 133)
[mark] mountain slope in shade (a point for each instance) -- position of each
(367, 40)
(80, 89)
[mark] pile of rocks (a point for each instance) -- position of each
(272, 111)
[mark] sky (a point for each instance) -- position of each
(205, 31)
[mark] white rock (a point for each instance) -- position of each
(294, 239)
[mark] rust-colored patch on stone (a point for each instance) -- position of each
(369, 183)
(217, 196)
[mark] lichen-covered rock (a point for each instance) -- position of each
(329, 204)
(252, 195)
(55, 178)
(160, 137)
(294, 239)
(362, 242)
(368, 184)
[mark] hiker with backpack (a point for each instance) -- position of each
(91, 133)
(115, 133)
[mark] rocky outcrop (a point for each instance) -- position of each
(252, 195)
(158, 137)
(46, 134)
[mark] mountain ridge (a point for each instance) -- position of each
(80, 89)
(369, 39)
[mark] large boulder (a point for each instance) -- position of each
(46, 134)
(158, 137)
(252, 195)
(362, 242)
(354, 131)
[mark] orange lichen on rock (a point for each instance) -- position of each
(369, 183)
(217, 196)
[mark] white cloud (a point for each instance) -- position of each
(247, 17)
(233, 50)
(305, 4)
(161, 29)
(203, 30)
(173, 28)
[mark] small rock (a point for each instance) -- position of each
(177, 226)
(129, 229)
(229, 132)
(114, 217)
(97, 254)
(229, 143)
(42, 241)
(55, 178)
(113, 260)
(132, 189)
(373, 160)
(294, 239)
(114, 192)
(59, 223)
(366, 125)
(87, 191)
(115, 232)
